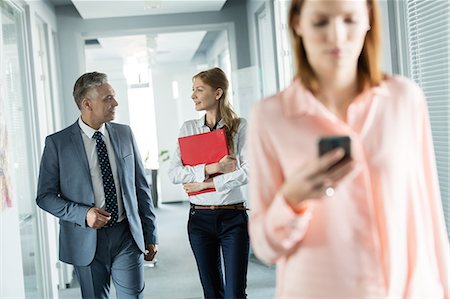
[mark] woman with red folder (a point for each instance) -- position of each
(217, 224)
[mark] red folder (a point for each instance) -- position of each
(204, 148)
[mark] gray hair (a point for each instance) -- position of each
(85, 83)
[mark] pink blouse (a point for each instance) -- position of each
(382, 234)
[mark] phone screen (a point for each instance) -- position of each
(329, 143)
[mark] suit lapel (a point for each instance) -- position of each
(78, 146)
(113, 136)
(114, 140)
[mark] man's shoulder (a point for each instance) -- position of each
(121, 128)
(65, 132)
(118, 125)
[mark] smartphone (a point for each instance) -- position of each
(329, 143)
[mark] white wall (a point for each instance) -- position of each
(246, 82)
(246, 89)
(170, 115)
(262, 21)
(113, 68)
(220, 45)
(252, 7)
(43, 10)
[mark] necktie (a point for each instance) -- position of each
(108, 180)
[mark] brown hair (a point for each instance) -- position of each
(216, 78)
(368, 63)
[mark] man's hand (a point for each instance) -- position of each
(97, 218)
(151, 250)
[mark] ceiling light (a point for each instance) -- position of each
(152, 4)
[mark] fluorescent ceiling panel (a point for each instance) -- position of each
(166, 47)
(112, 8)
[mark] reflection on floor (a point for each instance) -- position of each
(175, 274)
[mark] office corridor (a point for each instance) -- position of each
(175, 274)
(150, 50)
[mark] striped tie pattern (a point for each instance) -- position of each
(108, 180)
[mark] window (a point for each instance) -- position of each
(266, 50)
(15, 98)
(284, 52)
(427, 41)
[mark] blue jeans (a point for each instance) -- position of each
(220, 233)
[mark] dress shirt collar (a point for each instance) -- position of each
(298, 101)
(88, 130)
(201, 122)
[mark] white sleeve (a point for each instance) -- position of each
(180, 174)
(228, 181)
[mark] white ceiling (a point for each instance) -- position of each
(155, 48)
(169, 47)
(61, 2)
(89, 9)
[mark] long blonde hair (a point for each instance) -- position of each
(216, 78)
(369, 70)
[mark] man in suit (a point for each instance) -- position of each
(92, 178)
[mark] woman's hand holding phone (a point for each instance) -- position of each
(312, 179)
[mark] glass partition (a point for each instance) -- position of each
(20, 154)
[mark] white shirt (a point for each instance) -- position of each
(227, 185)
(94, 167)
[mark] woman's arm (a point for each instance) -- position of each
(275, 228)
(180, 174)
(239, 176)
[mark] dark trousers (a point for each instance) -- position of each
(216, 234)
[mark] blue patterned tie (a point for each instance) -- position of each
(108, 180)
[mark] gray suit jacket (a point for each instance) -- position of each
(65, 190)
